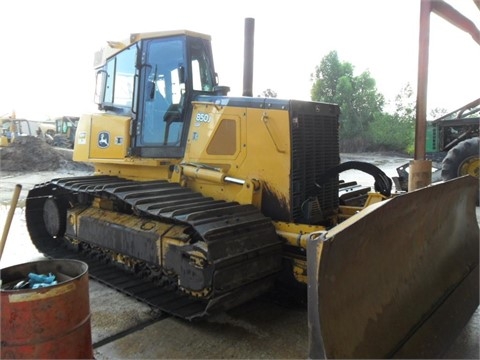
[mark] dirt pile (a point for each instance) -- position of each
(29, 153)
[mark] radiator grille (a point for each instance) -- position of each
(315, 148)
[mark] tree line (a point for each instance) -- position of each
(364, 124)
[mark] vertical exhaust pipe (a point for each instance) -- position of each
(248, 57)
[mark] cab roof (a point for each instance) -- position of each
(148, 35)
(114, 47)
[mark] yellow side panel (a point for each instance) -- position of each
(102, 136)
(245, 143)
(215, 133)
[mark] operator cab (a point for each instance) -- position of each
(153, 80)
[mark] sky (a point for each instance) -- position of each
(46, 62)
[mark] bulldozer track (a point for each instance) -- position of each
(215, 222)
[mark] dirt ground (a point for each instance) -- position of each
(29, 153)
(29, 161)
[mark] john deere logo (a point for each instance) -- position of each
(103, 139)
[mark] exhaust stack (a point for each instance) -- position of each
(248, 57)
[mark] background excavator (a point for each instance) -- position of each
(60, 132)
(201, 201)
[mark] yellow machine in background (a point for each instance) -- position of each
(12, 128)
(201, 201)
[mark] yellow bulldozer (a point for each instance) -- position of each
(13, 128)
(201, 201)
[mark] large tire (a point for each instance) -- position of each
(463, 159)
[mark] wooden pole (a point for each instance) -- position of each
(420, 174)
(421, 111)
(6, 229)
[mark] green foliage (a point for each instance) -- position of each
(437, 113)
(405, 102)
(334, 82)
(327, 76)
(363, 123)
(393, 133)
(396, 132)
(269, 93)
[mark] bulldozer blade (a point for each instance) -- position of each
(397, 280)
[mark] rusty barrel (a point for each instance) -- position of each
(49, 322)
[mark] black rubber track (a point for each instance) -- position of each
(220, 224)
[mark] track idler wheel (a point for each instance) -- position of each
(55, 217)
